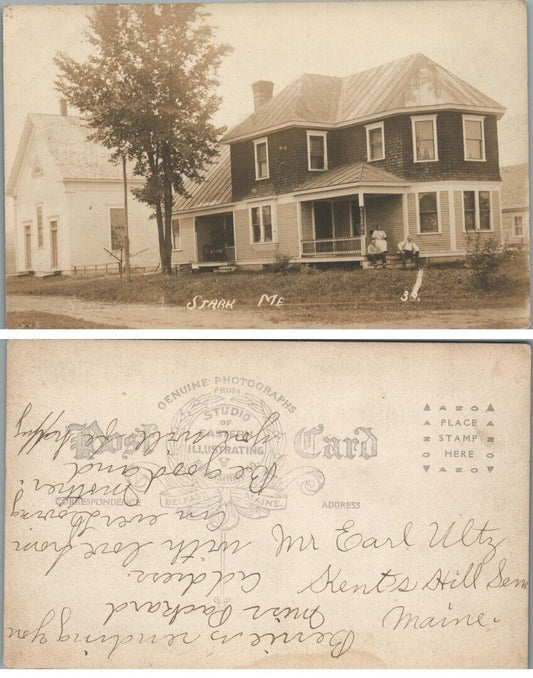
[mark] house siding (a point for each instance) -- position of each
(349, 145)
(288, 236)
(387, 211)
(287, 159)
(187, 254)
(246, 250)
(47, 190)
(287, 153)
(495, 233)
(90, 225)
(431, 243)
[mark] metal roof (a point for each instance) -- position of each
(355, 173)
(215, 188)
(412, 83)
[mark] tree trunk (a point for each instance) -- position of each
(166, 260)
(160, 233)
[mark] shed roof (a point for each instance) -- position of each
(215, 188)
(515, 186)
(412, 83)
(66, 139)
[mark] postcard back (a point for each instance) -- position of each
(266, 504)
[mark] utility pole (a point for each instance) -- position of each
(126, 230)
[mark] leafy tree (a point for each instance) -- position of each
(147, 94)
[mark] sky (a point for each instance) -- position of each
(481, 41)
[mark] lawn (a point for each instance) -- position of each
(35, 320)
(443, 288)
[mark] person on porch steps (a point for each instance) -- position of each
(409, 251)
(373, 254)
(381, 242)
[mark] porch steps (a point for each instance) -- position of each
(226, 268)
(393, 261)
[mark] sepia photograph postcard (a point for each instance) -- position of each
(211, 510)
(267, 165)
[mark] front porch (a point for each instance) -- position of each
(339, 228)
(215, 239)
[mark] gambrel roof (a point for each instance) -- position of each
(65, 139)
(413, 83)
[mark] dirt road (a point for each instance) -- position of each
(141, 316)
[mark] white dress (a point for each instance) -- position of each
(381, 239)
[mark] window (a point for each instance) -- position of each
(118, 227)
(375, 142)
(317, 153)
(428, 213)
(36, 169)
(518, 226)
(261, 159)
(40, 235)
(425, 138)
(474, 137)
(176, 234)
(476, 208)
(262, 230)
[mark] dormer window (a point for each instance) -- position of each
(425, 147)
(474, 137)
(317, 151)
(375, 142)
(261, 158)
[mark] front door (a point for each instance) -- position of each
(53, 244)
(27, 246)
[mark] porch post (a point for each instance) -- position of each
(362, 218)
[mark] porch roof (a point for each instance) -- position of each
(214, 190)
(354, 173)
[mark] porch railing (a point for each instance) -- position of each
(334, 246)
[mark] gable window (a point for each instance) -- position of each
(40, 235)
(261, 159)
(118, 227)
(36, 169)
(317, 152)
(474, 137)
(518, 226)
(428, 213)
(375, 142)
(176, 234)
(476, 208)
(262, 228)
(424, 129)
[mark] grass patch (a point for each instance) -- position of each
(35, 320)
(443, 288)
